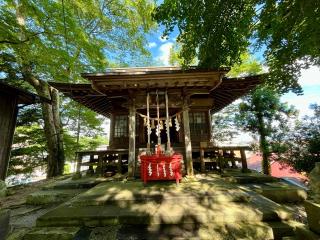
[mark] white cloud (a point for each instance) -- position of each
(310, 77)
(165, 53)
(310, 83)
(303, 102)
(152, 45)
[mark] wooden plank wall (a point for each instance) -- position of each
(8, 118)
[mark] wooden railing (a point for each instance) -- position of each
(115, 159)
(101, 158)
(223, 154)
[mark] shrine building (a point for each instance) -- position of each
(152, 106)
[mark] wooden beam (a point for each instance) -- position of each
(8, 113)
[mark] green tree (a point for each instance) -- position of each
(262, 113)
(215, 32)
(57, 40)
(83, 129)
(29, 144)
(218, 32)
(300, 146)
(224, 127)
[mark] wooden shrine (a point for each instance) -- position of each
(166, 105)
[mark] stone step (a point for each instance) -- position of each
(121, 194)
(56, 233)
(127, 198)
(46, 197)
(281, 229)
(303, 232)
(236, 230)
(165, 213)
(236, 176)
(280, 192)
(82, 183)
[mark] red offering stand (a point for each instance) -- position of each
(161, 167)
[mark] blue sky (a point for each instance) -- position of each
(309, 80)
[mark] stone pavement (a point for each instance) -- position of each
(210, 207)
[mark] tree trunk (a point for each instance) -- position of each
(50, 112)
(52, 124)
(264, 146)
(52, 130)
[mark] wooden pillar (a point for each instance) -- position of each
(210, 126)
(187, 137)
(132, 140)
(233, 161)
(203, 164)
(119, 165)
(111, 136)
(8, 118)
(243, 160)
(79, 161)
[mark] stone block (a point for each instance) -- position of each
(284, 195)
(315, 182)
(51, 196)
(313, 215)
(18, 234)
(3, 189)
(305, 234)
(52, 233)
(4, 223)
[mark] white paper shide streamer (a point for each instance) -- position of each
(170, 170)
(158, 173)
(164, 170)
(149, 169)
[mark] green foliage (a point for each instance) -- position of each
(262, 113)
(67, 168)
(58, 40)
(62, 40)
(29, 144)
(300, 147)
(218, 32)
(290, 31)
(175, 56)
(248, 66)
(83, 128)
(224, 128)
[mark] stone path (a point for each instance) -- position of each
(209, 208)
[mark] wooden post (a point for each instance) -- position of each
(79, 161)
(233, 161)
(132, 140)
(148, 124)
(111, 131)
(119, 165)
(187, 137)
(8, 113)
(202, 163)
(243, 160)
(167, 124)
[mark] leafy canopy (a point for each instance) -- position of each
(218, 32)
(61, 39)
